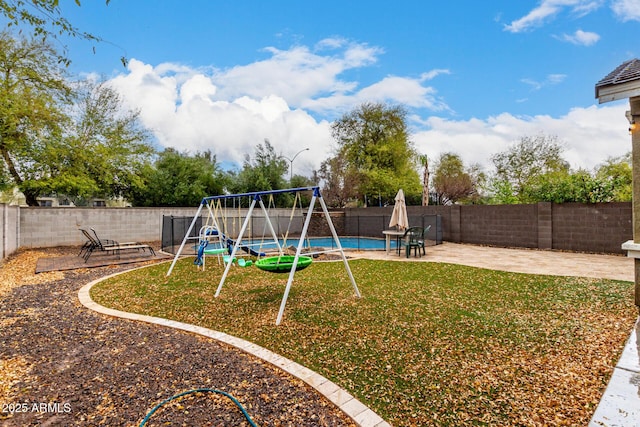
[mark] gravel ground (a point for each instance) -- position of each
(63, 365)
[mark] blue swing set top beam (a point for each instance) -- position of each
(258, 194)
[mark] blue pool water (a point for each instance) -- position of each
(361, 243)
(357, 243)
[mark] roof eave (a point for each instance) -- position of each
(615, 92)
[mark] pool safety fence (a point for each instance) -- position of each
(356, 232)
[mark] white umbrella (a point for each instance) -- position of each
(399, 215)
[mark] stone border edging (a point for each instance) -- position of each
(352, 407)
(618, 405)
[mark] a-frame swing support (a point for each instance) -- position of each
(257, 199)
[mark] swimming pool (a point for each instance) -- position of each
(359, 243)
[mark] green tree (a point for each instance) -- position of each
(180, 179)
(618, 172)
(55, 139)
(376, 156)
(46, 20)
(524, 162)
(33, 92)
(105, 148)
(567, 186)
(265, 171)
(453, 182)
(502, 192)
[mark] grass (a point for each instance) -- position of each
(427, 344)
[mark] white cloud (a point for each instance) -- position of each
(195, 110)
(182, 111)
(548, 9)
(551, 79)
(393, 89)
(231, 111)
(590, 135)
(626, 10)
(298, 73)
(430, 75)
(584, 38)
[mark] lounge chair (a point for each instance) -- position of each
(107, 245)
(93, 244)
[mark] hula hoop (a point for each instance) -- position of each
(283, 264)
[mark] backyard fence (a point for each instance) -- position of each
(600, 228)
(579, 227)
(174, 228)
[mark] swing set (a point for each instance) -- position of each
(214, 234)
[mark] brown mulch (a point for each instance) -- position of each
(63, 365)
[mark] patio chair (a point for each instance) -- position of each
(412, 239)
(424, 239)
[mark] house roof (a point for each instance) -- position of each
(623, 82)
(627, 71)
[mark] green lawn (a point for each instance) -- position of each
(427, 344)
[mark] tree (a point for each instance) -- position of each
(33, 91)
(100, 153)
(525, 161)
(567, 186)
(46, 20)
(453, 182)
(375, 155)
(336, 181)
(618, 171)
(57, 139)
(179, 179)
(105, 148)
(265, 171)
(424, 161)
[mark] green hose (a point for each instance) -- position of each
(200, 390)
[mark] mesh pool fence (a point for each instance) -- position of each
(357, 232)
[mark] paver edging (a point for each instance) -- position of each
(619, 403)
(353, 408)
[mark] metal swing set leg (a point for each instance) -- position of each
(303, 234)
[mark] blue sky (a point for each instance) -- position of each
(475, 76)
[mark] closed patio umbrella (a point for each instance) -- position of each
(399, 216)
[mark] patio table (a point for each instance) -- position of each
(388, 234)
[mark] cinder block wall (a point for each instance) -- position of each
(601, 227)
(9, 230)
(500, 225)
(48, 227)
(591, 228)
(570, 226)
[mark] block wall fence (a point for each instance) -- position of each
(599, 228)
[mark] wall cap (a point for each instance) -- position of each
(632, 248)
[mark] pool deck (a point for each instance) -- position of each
(620, 403)
(530, 261)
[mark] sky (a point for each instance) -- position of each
(475, 77)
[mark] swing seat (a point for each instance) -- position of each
(215, 251)
(244, 263)
(283, 264)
